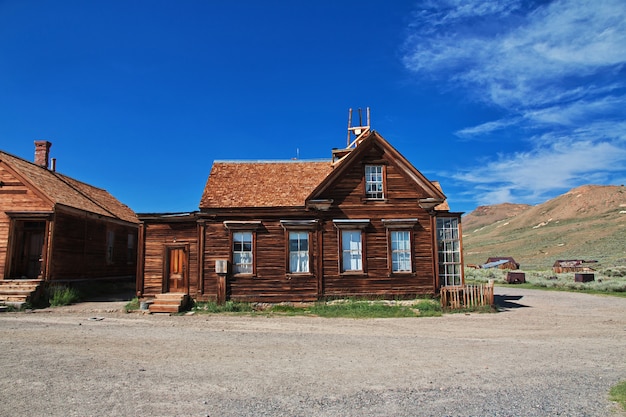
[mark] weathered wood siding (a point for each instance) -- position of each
(271, 281)
(79, 247)
(14, 196)
(157, 236)
(401, 202)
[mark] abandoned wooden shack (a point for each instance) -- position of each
(54, 228)
(502, 262)
(364, 223)
(572, 265)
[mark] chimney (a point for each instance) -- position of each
(42, 152)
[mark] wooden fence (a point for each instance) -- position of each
(467, 296)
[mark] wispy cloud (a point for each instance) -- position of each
(488, 127)
(557, 69)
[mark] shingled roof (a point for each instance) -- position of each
(262, 184)
(67, 191)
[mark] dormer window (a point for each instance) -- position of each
(374, 182)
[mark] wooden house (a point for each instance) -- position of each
(54, 228)
(364, 223)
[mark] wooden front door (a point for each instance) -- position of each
(27, 249)
(177, 260)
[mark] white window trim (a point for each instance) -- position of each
(374, 195)
(351, 251)
(251, 252)
(299, 253)
(449, 270)
(401, 251)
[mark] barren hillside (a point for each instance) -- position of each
(486, 215)
(588, 222)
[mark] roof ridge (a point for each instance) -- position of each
(55, 173)
(77, 180)
(270, 161)
(63, 177)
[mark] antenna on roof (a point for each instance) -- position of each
(355, 133)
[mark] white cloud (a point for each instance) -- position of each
(557, 69)
(488, 127)
(507, 56)
(529, 177)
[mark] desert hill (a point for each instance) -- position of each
(587, 222)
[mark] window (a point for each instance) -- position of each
(110, 246)
(374, 182)
(400, 251)
(242, 253)
(243, 235)
(352, 251)
(130, 253)
(400, 235)
(298, 246)
(449, 247)
(351, 244)
(298, 252)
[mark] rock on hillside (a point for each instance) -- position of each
(587, 222)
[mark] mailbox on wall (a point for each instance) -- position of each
(221, 266)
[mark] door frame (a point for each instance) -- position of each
(167, 248)
(16, 237)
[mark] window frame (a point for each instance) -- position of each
(352, 225)
(382, 182)
(110, 247)
(131, 255)
(401, 225)
(243, 227)
(299, 252)
(449, 252)
(343, 251)
(299, 226)
(233, 252)
(405, 251)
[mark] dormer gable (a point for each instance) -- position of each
(374, 171)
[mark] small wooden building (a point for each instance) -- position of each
(56, 228)
(365, 223)
(502, 262)
(572, 265)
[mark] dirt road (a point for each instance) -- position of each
(547, 354)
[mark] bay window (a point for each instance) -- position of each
(449, 250)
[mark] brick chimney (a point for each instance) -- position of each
(42, 153)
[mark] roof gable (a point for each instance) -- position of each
(67, 191)
(356, 156)
(262, 184)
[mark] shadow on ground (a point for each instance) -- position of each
(507, 302)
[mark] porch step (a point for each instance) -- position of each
(169, 303)
(19, 291)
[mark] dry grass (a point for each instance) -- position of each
(609, 280)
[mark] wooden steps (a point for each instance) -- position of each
(17, 292)
(171, 302)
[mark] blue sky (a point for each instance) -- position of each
(500, 101)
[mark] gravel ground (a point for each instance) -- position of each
(546, 354)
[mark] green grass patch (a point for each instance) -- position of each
(227, 307)
(132, 305)
(61, 295)
(618, 394)
(348, 308)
